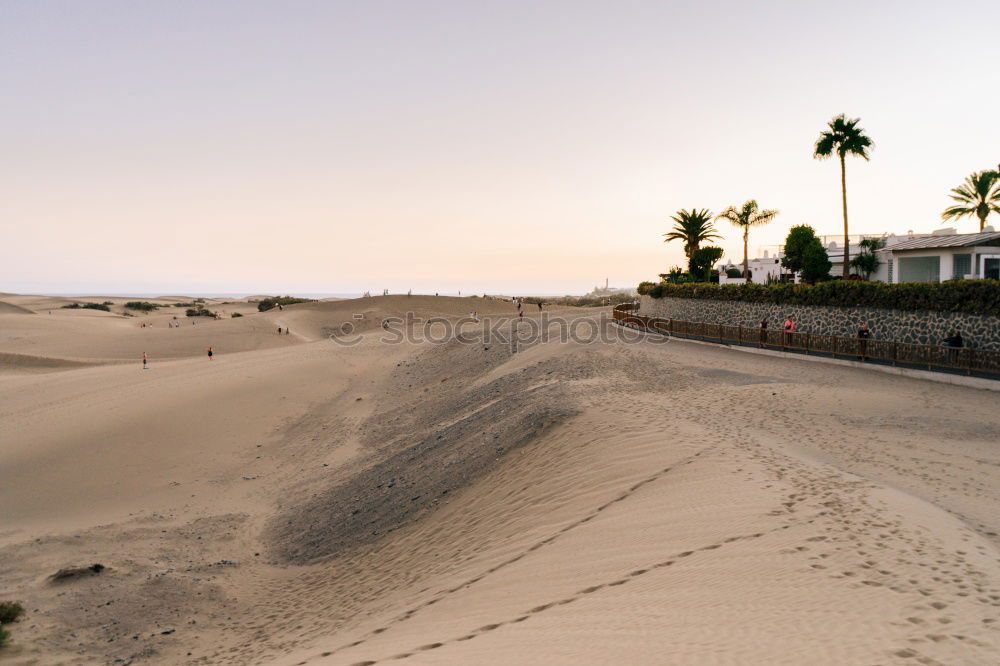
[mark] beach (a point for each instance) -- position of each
(327, 496)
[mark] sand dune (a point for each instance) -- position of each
(297, 500)
(10, 308)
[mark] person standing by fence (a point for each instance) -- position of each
(955, 341)
(789, 329)
(864, 333)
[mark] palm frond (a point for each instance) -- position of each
(844, 137)
(763, 217)
(747, 215)
(824, 146)
(978, 195)
(730, 215)
(692, 227)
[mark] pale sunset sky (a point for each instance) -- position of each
(506, 147)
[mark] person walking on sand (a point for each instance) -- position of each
(144, 361)
(279, 330)
(210, 353)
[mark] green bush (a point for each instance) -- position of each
(144, 306)
(815, 264)
(86, 306)
(734, 273)
(10, 611)
(268, 303)
(970, 296)
(701, 261)
(4, 637)
(235, 315)
(199, 312)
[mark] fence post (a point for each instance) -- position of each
(968, 369)
(807, 342)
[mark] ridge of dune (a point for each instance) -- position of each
(10, 308)
(27, 363)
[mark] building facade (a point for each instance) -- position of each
(941, 257)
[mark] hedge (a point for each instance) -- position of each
(980, 297)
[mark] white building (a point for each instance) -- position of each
(835, 251)
(944, 255)
(762, 270)
(940, 255)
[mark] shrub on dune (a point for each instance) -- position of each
(86, 306)
(274, 301)
(143, 306)
(10, 611)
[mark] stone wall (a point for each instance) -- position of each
(918, 327)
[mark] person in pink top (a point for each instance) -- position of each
(789, 329)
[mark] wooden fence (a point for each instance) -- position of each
(948, 359)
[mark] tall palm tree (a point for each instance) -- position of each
(844, 138)
(979, 195)
(748, 215)
(693, 227)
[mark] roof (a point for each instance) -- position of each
(952, 240)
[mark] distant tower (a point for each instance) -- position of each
(605, 283)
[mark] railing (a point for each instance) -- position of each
(944, 359)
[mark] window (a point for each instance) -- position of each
(991, 267)
(962, 266)
(920, 269)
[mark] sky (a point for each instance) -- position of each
(500, 147)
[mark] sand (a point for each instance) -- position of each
(296, 500)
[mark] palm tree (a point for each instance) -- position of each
(693, 227)
(844, 138)
(749, 215)
(979, 195)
